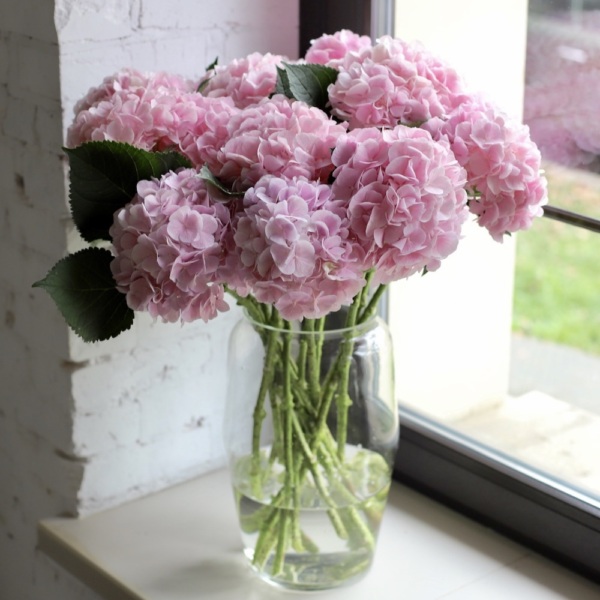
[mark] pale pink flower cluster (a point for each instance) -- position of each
(168, 249)
(405, 195)
(391, 83)
(277, 137)
(126, 107)
(330, 50)
(295, 245)
(502, 164)
(317, 200)
(246, 80)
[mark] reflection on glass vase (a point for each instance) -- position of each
(311, 432)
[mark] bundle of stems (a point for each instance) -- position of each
(302, 394)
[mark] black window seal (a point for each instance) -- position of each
(550, 517)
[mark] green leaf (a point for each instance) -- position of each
(85, 293)
(207, 175)
(104, 178)
(213, 64)
(202, 85)
(282, 85)
(204, 82)
(309, 83)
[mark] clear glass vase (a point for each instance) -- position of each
(311, 432)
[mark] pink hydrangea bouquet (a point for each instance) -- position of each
(296, 188)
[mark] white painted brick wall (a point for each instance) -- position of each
(87, 426)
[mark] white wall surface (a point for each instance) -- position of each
(85, 427)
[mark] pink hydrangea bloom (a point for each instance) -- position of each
(406, 197)
(277, 137)
(388, 188)
(331, 50)
(121, 109)
(168, 248)
(247, 80)
(295, 247)
(393, 83)
(200, 127)
(503, 165)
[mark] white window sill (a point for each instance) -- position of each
(183, 544)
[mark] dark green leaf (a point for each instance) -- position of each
(205, 81)
(203, 84)
(206, 174)
(282, 85)
(213, 64)
(104, 177)
(85, 292)
(309, 83)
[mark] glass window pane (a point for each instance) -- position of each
(561, 97)
(543, 410)
(550, 418)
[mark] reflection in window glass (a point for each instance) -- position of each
(551, 417)
(561, 97)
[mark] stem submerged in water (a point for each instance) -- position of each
(306, 460)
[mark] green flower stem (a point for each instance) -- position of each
(371, 307)
(267, 537)
(304, 445)
(260, 413)
(290, 474)
(320, 328)
(282, 543)
(364, 293)
(347, 522)
(255, 309)
(312, 359)
(343, 399)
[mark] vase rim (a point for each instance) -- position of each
(297, 331)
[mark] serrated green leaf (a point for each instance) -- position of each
(104, 177)
(85, 293)
(309, 83)
(282, 85)
(207, 175)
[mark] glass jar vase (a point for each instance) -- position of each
(311, 431)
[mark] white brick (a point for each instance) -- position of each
(48, 126)
(4, 62)
(94, 20)
(9, 152)
(259, 29)
(31, 230)
(43, 173)
(30, 317)
(18, 121)
(3, 101)
(28, 17)
(149, 333)
(115, 427)
(34, 68)
(145, 469)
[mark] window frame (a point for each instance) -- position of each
(499, 492)
(550, 517)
